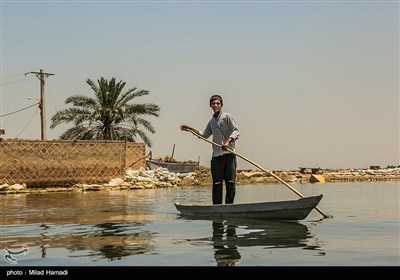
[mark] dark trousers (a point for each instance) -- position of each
(223, 168)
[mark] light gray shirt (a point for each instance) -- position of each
(221, 128)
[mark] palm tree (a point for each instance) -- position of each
(108, 116)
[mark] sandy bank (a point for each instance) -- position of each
(161, 178)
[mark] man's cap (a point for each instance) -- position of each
(216, 96)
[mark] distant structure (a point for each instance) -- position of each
(2, 131)
(372, 167)
(310, 170)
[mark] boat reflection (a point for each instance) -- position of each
(228, 236)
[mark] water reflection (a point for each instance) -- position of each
(143, 228)
(99, 225)
(226, 253)
(114, 241)
(228, 236)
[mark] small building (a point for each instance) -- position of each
(374, 167)
(2, 131)
(310, 170)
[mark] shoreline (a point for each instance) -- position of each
(162, 178)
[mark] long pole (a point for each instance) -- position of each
(173, 150)
(261, 168)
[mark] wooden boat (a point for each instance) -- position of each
(178, 167)
(278, 210)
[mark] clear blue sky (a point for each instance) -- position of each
(310, 83)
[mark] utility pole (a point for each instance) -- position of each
(41, 76)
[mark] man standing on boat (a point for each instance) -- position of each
(223, 163)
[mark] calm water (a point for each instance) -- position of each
(143, 228)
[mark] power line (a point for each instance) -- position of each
(34, 114)
(19, 110)
(51, 98)
(17, 81)
(9, 77)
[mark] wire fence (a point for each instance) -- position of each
(57, 162)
